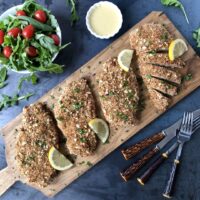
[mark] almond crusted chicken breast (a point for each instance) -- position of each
(160, 75)
(119, 94)
(76, 107)
(36, 136)
(150, 37)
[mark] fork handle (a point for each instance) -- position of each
(138, 147)
(169, 187)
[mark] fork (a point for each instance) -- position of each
(183, 136)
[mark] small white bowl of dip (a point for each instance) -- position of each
(104, 20)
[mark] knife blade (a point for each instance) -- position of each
(169, 134)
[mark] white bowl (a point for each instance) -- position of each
(92, 8)
(12, 11)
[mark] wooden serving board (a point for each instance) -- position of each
(10, 174)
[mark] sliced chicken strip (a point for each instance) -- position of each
(160, 85)
(160, 72)
(160, 101)
(160, 59)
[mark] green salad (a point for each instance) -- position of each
(28, 39)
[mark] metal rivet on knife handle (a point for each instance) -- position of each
(128, 173)
(138, 147)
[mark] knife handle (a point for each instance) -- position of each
(138, 147)
(149, 172)
(131, 170)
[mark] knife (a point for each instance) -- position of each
(164, 156)
(168, 134)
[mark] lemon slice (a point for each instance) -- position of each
(177, 48)
(124, 59)
(58, 161)
(100, 127)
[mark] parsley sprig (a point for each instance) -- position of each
(7, 101)
(74, 16)
(175, 3)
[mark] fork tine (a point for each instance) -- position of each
(183, 125)
(191, 122)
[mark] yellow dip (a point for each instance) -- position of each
(105, 20)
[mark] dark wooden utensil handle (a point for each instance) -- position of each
(169, 187)
(128, 173)
(138, 147)
(149, 172)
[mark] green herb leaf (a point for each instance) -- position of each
(122, 116)
(196, 36)
(175, 3)
(7, 101)
(148, 76)
(32, 78)
(74, 16)
(187, 77)
(3, 76)
(77, 105)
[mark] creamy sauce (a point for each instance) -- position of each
(105, 20)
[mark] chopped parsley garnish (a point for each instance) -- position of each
(88, 163)
(52, 96)
(164, 37)
(40, 143)
(77, 90)
(125, 84)
(81, 131)
(148, 76)
(77, 105)
(111, 93)
(122, 116)
(153, 52)
(82, 139)
(187, 77)
(130, 95)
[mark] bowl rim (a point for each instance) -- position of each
(11, 11)
(91, 9)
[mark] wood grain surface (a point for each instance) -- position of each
(117, 136)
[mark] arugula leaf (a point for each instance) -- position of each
(3, 76)
(175, 3)
(7, 101)
(196, 36)
(74, 16)
(32, 78)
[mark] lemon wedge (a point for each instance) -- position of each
(177, 48)
(100, 127)
(124, 59)
(58, 161)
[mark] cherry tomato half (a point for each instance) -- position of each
(14, 32)
(28, 31)
(7, 51)
(31, 51)
(1, 37)
(41, 16)
(55, 38)
(21, 13)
